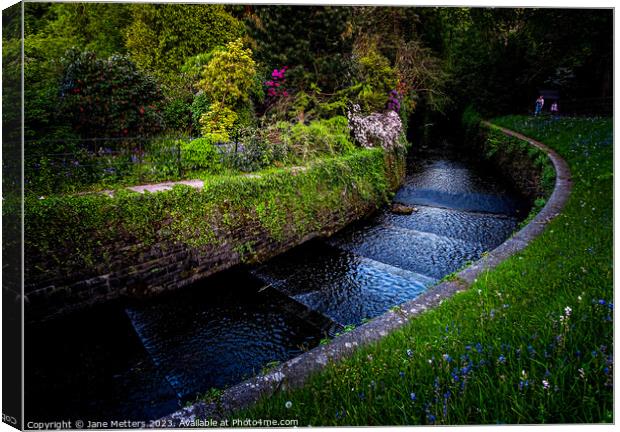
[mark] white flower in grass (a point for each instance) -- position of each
(288, 404)
(567, 311)
(545, 384)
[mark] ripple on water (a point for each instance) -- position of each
(344, 286)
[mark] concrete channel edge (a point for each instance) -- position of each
(296, 371)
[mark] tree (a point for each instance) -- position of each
(314, 41)
(228, 79)
(229, 75)
(108, 97)
(162, 37)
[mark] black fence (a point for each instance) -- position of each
(59, 166)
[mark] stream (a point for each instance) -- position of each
(141, 360)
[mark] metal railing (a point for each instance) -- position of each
(69, 165)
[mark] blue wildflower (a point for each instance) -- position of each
(401, 374)
(602, 302)
(431, 418)
(501, 359)
(412, 396)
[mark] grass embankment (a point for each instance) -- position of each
(530, 342)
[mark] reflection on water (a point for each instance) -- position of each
(141, 360)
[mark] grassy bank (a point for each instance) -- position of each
(530, 342)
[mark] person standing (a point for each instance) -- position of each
(554, 108)
(540, 102)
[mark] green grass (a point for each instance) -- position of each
(530, 342)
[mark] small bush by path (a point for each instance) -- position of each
(530, 342)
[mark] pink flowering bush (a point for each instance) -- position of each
(377, 129)
(275, 86)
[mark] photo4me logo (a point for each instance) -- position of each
(9, 419)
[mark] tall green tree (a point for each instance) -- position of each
(314, 41)
(161, 37)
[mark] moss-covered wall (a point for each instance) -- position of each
(527, 167)
(88, 248)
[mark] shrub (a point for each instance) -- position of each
(229, 76)
(202, 154)
(108, 97)
(374, 130)
(219, 120)
(319, 137)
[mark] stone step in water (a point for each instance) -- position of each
(344, 286)
(220, 332)
(453, 176)
(470, 201)
(489, 230)
(457, 185)
(417, 251)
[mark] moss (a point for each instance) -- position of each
(86, 232)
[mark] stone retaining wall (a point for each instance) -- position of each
(83, 250)
(294, 372)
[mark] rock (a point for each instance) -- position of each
(399, 208)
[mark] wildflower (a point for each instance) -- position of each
(431, 418)
(545, 384)
(602, 302)
(362, 396)
(567, 311)
(447, 358)
(409, 353)
(501, 359)
(401, 374)
(523, 384)
(288, 404)
(412, 396)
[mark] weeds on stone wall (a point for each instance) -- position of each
(91, 232)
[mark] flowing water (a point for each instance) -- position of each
(142, 360)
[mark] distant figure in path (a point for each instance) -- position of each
(554, 108)
(540, 102)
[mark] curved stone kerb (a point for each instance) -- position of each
(295, 372)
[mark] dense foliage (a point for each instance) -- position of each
(108, 97)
